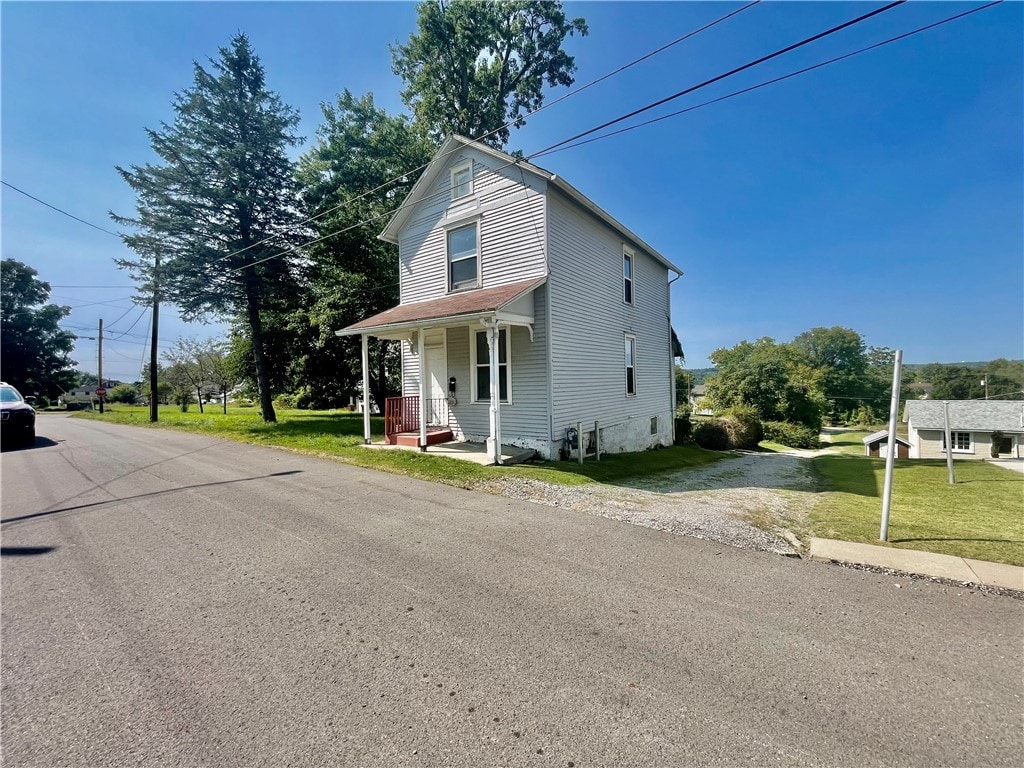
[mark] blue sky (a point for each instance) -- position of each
(884, 193)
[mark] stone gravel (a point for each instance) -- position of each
(747, 500)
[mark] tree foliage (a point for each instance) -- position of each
(219, 208)
(471, 67)
(34, 351)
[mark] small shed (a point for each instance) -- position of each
(877, 445)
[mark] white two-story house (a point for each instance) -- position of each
(525, 311)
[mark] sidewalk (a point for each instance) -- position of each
(925, 563)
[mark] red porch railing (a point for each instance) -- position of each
(402, 415)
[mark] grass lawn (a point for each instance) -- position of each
(981, 516)
(339, 435)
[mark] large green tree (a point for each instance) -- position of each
(774, 379)
(218, 210)
(34, 349)
(473, 66)
(348, 189)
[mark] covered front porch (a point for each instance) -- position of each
(440, 397)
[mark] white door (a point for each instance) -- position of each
(435, 365)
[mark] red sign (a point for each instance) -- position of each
(100, 391)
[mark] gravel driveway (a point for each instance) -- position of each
(750, 500)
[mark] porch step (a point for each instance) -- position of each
(435, 435)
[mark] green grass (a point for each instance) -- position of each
(339, 435)
(981, 516)
(849, 443)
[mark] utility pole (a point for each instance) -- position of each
(99, 354)
(154, 413)
(890, 448)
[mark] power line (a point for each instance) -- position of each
(769, 82)
(730, 73)
(495, 171)
(509, 124)
(60, 210)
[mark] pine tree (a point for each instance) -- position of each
(215, 214)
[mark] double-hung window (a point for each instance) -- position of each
(463, 258)
(961, 441)
(482, 366)
(462, 180)
(627, 275)
(630, 366)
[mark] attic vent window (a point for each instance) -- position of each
(462, 180)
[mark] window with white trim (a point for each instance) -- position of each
(961, 441)
(462, 180)
(463, 261)
(627, 275)
(481, 364)
(630, 366)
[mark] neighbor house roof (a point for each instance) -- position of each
(698, 390)
(966, 415)
(461, 306)
(454, 142)
(883, 435)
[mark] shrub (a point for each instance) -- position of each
(997, 439)
(284, 401)
(743, 426)
(684, 427)
(793, 435)
(123, 393)
(712, 434)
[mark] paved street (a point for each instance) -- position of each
(177, 600)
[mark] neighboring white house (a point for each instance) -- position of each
(529, 308)
(971, 424)
(698, 400)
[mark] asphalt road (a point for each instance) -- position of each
(176, 600)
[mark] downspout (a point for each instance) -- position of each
(671, 359)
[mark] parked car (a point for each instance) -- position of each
(17, 418)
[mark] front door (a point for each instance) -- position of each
(435, 366)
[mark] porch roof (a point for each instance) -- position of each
(457, 306)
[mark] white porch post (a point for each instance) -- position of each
(494, 441)
(366, 389)
(423, 390)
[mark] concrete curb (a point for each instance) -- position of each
(924, 563)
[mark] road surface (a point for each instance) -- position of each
(177, 600)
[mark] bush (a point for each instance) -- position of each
(712, 435)
(793, 435)
(743, 426)
(684, 427)
(123, 393)
(284, 401)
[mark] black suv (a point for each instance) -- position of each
(17, 418)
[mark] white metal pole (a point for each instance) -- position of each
(949, 444)
(366, 387)
(423, 389)
(493, 341)
(890, 448)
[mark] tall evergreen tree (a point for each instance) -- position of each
(472, 66)
(214, 215)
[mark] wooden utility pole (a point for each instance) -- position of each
(99, 364)
(154, 413)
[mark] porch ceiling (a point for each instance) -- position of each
(452, 309)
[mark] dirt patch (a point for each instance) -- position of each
(750, 500)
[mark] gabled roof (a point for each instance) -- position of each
(454, 142)
(884, 435)
(967, 415)
(456, 306)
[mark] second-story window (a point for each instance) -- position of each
(463, 261)
(462, 180)
(627, 275)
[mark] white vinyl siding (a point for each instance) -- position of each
(510, 228)
(589, 319)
